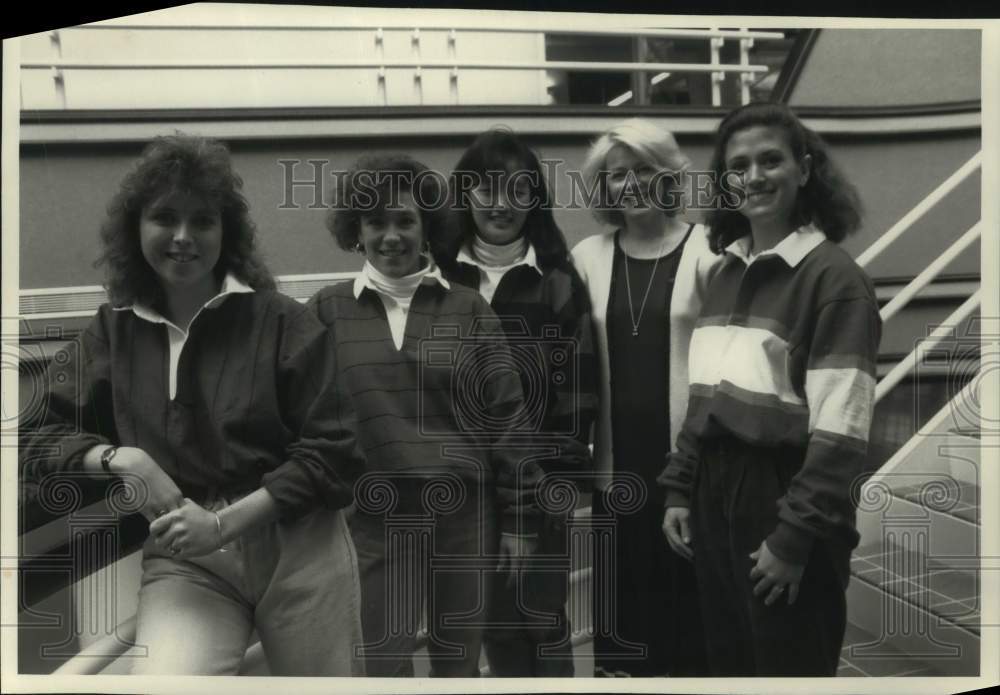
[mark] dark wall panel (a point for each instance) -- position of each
(64, 191)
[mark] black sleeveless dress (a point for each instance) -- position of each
(646, 618)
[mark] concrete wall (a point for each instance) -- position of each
(890, 67)
(65, 188)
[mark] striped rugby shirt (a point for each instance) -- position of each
(783, 355)
(409, 419)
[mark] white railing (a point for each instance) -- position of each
(931, 271)
(935, 268)
(918, 211)
(59, 66)
(945, 330)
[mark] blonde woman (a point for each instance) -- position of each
(645, 277)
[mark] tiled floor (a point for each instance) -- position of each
(949, 588)
(960, 499)
(890, 662)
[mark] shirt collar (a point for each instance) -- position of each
(230, 285)
(530, 259)
(792, 249)
(363, 280)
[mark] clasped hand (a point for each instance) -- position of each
(186, 532)
(774, 575)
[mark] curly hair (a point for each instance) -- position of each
(652, 144)
(374, 183)
(827, 200)
(177, 163)
(499, 150)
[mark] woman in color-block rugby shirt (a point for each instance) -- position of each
(782, 374)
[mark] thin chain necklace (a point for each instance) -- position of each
(628, 288)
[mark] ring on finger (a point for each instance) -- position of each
(779, 589)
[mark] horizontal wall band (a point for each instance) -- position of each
(37, 128)
(82, 301)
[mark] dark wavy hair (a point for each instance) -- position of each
(499, 150)
(177, 163)
(827, 200)
(373, 183)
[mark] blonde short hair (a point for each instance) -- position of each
(654, 145)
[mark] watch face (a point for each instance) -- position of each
(106, 457)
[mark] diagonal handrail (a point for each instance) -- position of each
(897, 373)
(907, 220)
(930, 272)
(939, 419)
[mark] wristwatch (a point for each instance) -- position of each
(106, 457)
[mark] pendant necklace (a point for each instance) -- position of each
(628, 287)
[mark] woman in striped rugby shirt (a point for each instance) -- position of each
(782, 374)
(434, 423)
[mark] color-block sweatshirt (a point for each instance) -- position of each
(783, 355)
(442, 403)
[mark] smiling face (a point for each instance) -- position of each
(392, 239)
(500, 206)
(770, 174)
(181, 240)
(629, 178)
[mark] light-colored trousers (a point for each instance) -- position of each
(295, 582)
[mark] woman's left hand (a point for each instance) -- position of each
(774, 576)
(514, 553)
(186, 532)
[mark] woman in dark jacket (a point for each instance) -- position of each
(505, 244)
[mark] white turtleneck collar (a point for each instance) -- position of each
(396, 293)
(494, 260)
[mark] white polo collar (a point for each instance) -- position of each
(792, 249)
(230, 285)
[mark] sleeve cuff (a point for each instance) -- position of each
(790, 543)
(676, 498)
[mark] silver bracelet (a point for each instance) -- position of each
(218, 525)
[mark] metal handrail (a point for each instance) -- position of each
(939, 419)
(907, 220)
(577, 65)
(715, 68)
(897, 373)
(506, 29)
(102, 653)
(930, 272)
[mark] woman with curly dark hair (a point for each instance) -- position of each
(204, 387)
(782, 374)
(443, 471)
(183, 164)
(826, 199)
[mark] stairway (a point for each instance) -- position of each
(914, 596)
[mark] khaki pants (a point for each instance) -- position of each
(295, 582)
